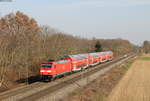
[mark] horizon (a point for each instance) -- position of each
(128, 19)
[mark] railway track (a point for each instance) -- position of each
(38, 90)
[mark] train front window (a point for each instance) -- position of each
(46, 65)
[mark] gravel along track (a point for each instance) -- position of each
(39, 90)
(135, 85)
(57, 92)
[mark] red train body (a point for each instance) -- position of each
(72, 63)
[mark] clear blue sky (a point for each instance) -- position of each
(127, 19)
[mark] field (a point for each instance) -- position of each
(135, 85)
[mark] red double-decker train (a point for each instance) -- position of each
(72, 63)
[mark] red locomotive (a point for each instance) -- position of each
(72, 63)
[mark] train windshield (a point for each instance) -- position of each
(46, 65)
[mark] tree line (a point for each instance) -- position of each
(146, 47)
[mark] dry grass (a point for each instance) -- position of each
(100, 89)
(135, 85)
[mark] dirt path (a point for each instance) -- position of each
(135, 85)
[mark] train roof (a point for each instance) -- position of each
(93, 54)
(78, 56)
(61, 61)
(83, 56)
(105, 52)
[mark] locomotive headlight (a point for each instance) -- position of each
(48, 71)
(42, 71)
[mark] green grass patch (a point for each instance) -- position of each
(144, 58)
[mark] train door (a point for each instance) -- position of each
(74, 66)
(67, 67)
(58, 68)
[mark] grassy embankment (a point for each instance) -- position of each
(101, 88)
(134, 85)
(144, 58)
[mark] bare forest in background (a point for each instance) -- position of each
(146, 47)
(24, 45)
